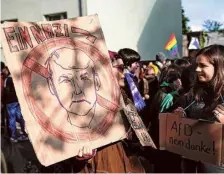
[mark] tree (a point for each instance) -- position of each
(185, 20)
(221, 32)
(211, 25)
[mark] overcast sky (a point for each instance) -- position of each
(200, 10)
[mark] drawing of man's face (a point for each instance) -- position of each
(73, 80)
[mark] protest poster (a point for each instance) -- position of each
(198, 140)
(63, 78)
(138, 126)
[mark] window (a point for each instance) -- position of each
(56, 16)
(9, 20)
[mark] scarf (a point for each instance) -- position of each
(136, 123)
(137, 98)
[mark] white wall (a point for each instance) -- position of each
(143, 25)
(34, 10)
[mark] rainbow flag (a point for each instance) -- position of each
(171, 45)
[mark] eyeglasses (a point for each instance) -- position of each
(119, 67)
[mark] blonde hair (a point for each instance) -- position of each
(154, 67)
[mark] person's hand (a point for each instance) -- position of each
(146, 97)
(219, 112)
(86, 153)
(180, 111)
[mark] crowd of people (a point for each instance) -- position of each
(192, 86)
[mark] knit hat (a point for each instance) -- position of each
(161, 57)
(112, 54)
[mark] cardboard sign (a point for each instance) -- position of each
(194, 139)
(63, 78)
(138, 126)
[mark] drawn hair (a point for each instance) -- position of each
(54, 53)
(47, 64)
(50, 81)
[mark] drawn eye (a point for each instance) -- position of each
(66, 81)
(84, 76)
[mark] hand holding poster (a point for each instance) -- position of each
(64, 83)
(193, 139)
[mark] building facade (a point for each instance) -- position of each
(214, 38)
(143, 25)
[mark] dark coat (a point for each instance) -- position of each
(201, 109)
(164, 161)
(9, 92)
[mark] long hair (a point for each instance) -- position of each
(215, 56)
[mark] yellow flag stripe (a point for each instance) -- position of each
(171, 44)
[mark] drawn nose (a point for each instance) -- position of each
(76, 87)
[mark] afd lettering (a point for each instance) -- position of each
(179, 128)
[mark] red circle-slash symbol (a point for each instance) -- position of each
(31, 65)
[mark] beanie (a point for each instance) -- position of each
(161, 57)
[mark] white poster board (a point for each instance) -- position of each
(65, 86)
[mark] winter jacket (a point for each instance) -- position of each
(202, 109)
(9, 91)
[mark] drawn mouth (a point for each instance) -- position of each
(79, 101)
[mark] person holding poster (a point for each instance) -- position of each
(68, 94)
(65, 86)
(206, 99)
(117, 157)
